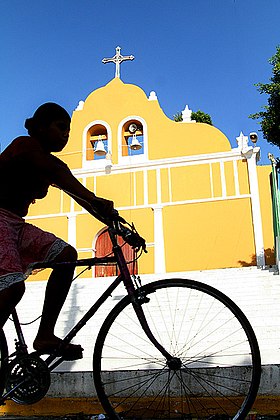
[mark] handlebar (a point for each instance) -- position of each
(130, 235)
(128, 232)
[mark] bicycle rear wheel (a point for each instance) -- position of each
(3, 360)
(219, 366)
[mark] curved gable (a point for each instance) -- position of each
(164, 138)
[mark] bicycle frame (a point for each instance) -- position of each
(124, 277)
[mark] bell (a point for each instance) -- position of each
(135, 145)
(100, 149)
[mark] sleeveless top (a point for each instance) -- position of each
(26, 172)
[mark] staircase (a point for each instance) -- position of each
(257, 292)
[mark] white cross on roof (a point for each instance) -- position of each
(118, 59)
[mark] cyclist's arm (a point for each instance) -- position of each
(66, 181)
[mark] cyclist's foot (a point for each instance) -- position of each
(56, 347)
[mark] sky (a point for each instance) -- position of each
(208, 54)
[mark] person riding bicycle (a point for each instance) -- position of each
(27, 169)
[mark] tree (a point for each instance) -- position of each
(178, 117)
(270, 117)
(198, 116)
(202, 117)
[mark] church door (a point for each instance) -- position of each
(104, 247)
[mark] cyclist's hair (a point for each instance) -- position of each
(44, 116)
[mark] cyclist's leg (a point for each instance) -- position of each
(3, 361)
(11, 272)
(37, 246)
(9, 298)
(56, 292)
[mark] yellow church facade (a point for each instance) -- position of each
(199, 203)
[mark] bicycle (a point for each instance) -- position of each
(175, 348)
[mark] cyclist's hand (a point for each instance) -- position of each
(103, 207)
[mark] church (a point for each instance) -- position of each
(203, 206)
(199, 203)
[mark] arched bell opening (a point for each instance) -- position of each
(132, 138)
(97, 142)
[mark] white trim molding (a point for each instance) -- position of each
(252, 155)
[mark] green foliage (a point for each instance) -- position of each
(178, 117)
(198, 116)
(202, 117)
(270, 117)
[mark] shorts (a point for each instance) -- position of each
(22, 244)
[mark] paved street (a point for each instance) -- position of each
(73, 417)
(89, 417)
(66, 417)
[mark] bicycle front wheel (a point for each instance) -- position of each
(216, 365)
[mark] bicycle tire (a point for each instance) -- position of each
(3, 361)
(220, 360)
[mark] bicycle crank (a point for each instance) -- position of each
(27, 379)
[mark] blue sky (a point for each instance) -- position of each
(204, 53)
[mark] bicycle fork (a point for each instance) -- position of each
(174, 363)
(137, 302)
